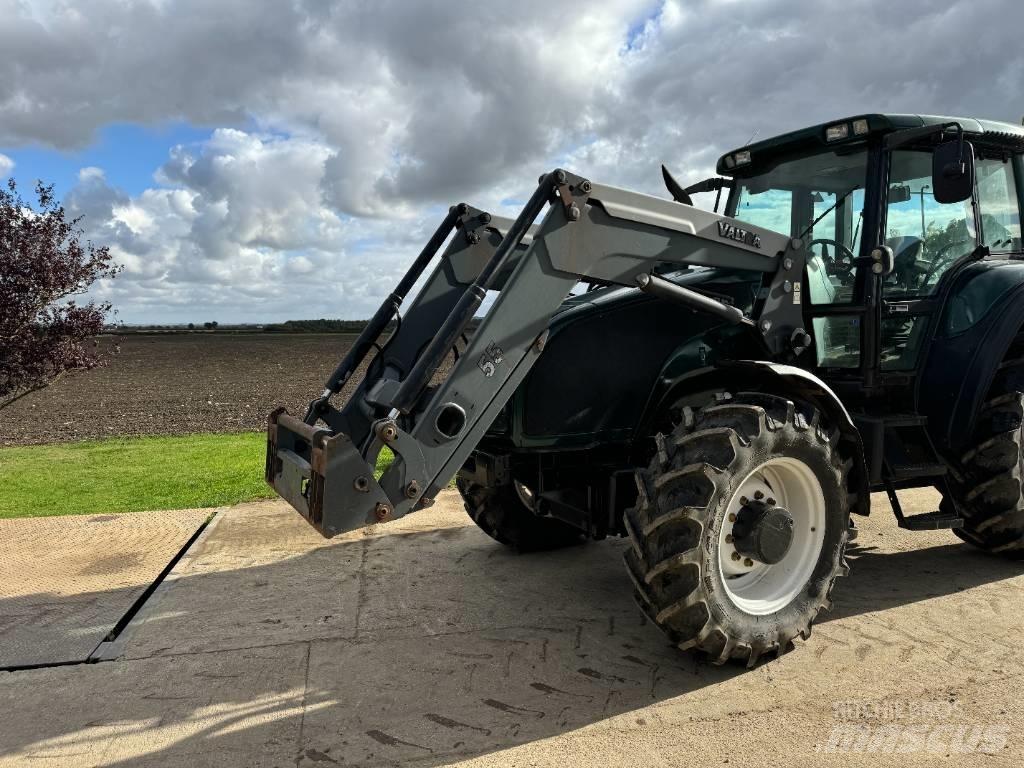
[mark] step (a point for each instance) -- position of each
(911, 471)
(931, 521)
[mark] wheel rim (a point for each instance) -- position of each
(525, 494)
(758, 588)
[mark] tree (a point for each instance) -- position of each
(44, 331)
(191, 326)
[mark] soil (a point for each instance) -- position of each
(179, 384)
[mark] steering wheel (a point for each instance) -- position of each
(842, 263)
(939, 261)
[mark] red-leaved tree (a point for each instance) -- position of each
(44, 264)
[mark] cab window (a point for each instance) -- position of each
(926, 237)
(997, 200)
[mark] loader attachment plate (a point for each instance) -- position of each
(322, 476)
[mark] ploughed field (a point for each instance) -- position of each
(178, 384)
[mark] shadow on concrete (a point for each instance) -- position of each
(451, 647)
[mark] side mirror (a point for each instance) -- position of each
(899, 193)
(953, 171)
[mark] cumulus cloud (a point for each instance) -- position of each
(340, 131)
(6, 165)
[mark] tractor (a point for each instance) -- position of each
(726, 388)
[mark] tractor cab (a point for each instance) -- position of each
(849, 187)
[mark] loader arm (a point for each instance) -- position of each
(589, 232)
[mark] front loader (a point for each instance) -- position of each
(723, 390)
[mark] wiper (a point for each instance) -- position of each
(827, 212)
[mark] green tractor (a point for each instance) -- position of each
(724, 388)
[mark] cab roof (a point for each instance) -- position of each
(814, 136)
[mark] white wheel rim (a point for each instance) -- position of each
(757, 588)
(525, 495)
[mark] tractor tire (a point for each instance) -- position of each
(502, 515)
(690, 577)
(986, 482)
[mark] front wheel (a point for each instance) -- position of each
(740, 528)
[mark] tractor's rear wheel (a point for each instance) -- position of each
(740, 527)
(986, 482)
(505, 513)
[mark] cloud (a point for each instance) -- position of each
(340, 131)
(6, 165)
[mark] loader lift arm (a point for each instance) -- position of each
(591, 233)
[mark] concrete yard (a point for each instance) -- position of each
(424, 642)
(66, 582)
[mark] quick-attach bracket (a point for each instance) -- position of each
(779, 308)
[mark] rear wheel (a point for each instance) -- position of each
(740, 527)
(505, 513)
(986, 482)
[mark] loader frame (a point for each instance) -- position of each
(323, 464)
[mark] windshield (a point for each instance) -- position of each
(819, 197)
(790, 197)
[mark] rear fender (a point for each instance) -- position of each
(960, 368)
(779, 379)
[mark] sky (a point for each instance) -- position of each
(263, 161)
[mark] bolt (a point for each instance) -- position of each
(388, 432)
(463, 208)
(735, 555)
(766, 325)
(485, 218)
(749, 563)
(574, 212)
(560, 176)
(744, 501)
(787, 286)
(473, 237)
(381, 511)
(758, 495)
(412, 489)
(585, 186)
(771, 501)
(732, 517)
(813, 529)
(728, 538)
(361, 484)
(787, 263)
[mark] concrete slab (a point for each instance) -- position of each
(200, 710)
(441, 648)
(66, 581)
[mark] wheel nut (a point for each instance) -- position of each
(735, 555)
(770, 501)
(732, 517)
(758, 495)
(749, 563)
(744, 501)
(728, 538)
(412, 489)
(381, 511)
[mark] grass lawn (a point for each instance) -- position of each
(132, 475)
